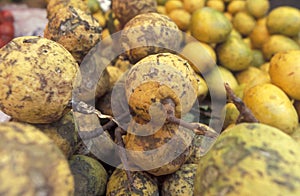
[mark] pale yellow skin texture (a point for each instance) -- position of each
(250, 159)
(278, 43)
(210, 26)
(270, 105)
(285, 72)
(37, 79)
(284, 20)
(228, 77)
(31, 164)
(158, 77)
(181, 17)
(236, 6)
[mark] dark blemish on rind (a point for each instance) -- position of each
(234, 155)
(32, 40)
(210, 175)
(251, 126)
(9, 92)
(19, 78)
(26, 98)
(42, 80)
(284, 183)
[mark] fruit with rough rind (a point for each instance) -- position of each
(149, 33)
(158, 77)
(250, 159)
(181, 182)
(31, 164)
(37, 78)
(143, 184)
(90, 176)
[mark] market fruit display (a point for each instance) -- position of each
(31, 164)
(157, 97)
(37, 79)
(90, 177)
(250, 158)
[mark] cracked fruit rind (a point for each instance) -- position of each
(157, 77)
(36, 78)
(31, 164)
(250, 159)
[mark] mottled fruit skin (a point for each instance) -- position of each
(36, 78)
(126, 10)
(180, 183)
(31, 164)
(149, 33)
(143, 184)
(250, 159)
(76, 30)
(159, 153)
(158, 77)
(89, 175)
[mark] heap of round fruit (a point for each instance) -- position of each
(171, 48)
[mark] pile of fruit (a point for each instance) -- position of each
(155, 78)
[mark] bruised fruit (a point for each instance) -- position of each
(250, 159)
(89, 175)
(31, 164)
(285, 72)
(158, 77)
(77, 31)
(36, 78)
(143, 184)
(181, 182)
(126, 10)
(270, 105)
(146, 146)
(149, 33)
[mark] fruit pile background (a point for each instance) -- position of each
(254, 56)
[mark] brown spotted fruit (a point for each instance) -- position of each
(37, 78)
(250, 159)
(149, 33)
(31, 163)
(143, 184)
(159, 77)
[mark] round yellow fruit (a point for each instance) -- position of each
(37, 78)
(270, 105)
(258, 8)
(244, 23)
(210, 26)
(259, 34)
(285, 72)
(31, 164)
(250, 159)
(234, 54)
(278, 43)
(284, 20)
(193, 5)
(181, 18)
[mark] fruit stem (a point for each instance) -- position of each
(246, 114)
(198, 128)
